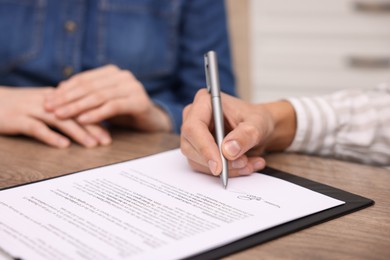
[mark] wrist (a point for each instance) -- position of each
(154, 119)
(159, 120)
(284, 119)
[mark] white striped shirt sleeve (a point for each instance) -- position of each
(350, 125)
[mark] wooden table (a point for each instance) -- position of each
(361, 235)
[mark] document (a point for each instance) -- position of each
(154, 207)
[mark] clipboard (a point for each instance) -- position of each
(353, 203)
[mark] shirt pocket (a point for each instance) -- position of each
(138, 35)
(21, 28)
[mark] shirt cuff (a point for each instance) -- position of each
(316, 124)
(302, 125)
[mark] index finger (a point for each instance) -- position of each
(81, 85)
(101, 72)
(197, 143)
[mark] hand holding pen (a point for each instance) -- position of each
(247, 128)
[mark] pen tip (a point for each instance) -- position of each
(224, 180)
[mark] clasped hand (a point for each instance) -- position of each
(107, 93)
(22, 112)
(78, 106)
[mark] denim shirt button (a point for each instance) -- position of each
(67, 71)
(70, 26)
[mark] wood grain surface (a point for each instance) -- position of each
(364, 234)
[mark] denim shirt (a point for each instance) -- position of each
(162, 42)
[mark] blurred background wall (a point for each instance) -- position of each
(307, 47)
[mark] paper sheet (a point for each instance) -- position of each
(155, 207)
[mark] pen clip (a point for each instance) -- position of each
(207, 72)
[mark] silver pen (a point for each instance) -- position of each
(212, 80)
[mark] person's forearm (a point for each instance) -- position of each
(350, 124)
(284, 118)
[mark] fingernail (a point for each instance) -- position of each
(49, 105)
(239, 163)
(105, 140)
(213, 167)
(89, 142)
(259, 164)
(232, 148)
(62, 142)
(244, 171)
